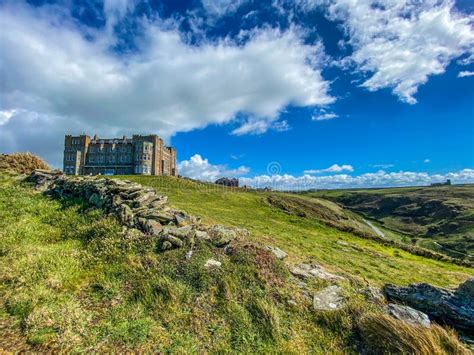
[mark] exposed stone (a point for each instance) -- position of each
(373, 294)
(328, 299)
(189, 254)
(202, 235)
(221, 236)
(305, 271)
(408, 314)
(466, 289)
(280, 254)
(166, 245)
(447, 307)
(211, 263)
(173, 240)
(153, 227)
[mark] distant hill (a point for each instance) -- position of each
(440, 218)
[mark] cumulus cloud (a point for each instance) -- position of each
(199, 168)
(378, 179)
(400, 43)
(465, 73)
(69, 77)
(335, 168)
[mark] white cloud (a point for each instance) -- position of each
(198, 168)
(49, 68)
(426, 161)
(378, 179)
(220, 8)
(463, 74)
(324, 117)
(400, 43)
(335, 168)
(5, 116)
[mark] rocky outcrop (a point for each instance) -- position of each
(306, 271)
(447, 307)
(328, 299)
(408, 314)
(136, 207)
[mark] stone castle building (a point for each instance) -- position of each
(142, 155)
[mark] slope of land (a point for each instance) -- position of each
(440, 218)
(71, 280)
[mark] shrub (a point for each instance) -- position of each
(384, 334)
(21, 163)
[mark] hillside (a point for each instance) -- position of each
(73, 280)
(440, 218)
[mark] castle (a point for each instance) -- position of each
(141, 155)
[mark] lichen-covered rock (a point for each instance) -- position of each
(280, 254)
(305, 271)
(328, 299)
(212, 264)
(447, 307)
(408, 314)
(221, 236)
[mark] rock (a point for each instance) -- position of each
(328, 299)
(211, 263)
(166, 245)
(221, 236)
(374, 295)
(173, 240)
(189, 255)
(125, 214)
(202, 235)
(305, 271)
(280, 254)
(95, 200)
(162, 217)
(152, 227)
(466, 289)
(446, 307)
(408, 314)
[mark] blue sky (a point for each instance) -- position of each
(292, 94)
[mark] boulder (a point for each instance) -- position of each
(328, 299)
(306, 271)
(280, 254)
(221, 236)
(466, 289)
(446, 307)
(373, 294)
(408, 314)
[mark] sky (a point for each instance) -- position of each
(288, 94)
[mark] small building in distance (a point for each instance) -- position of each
(231, 182)
(141, 155)
(447, 183)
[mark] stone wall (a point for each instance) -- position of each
(136, 207)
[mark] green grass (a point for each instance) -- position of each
(303, 238)
(72, 281)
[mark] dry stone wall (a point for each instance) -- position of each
(136, 207)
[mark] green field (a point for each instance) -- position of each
(71, 280)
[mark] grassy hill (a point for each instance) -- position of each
(440, 218)
(71, 280)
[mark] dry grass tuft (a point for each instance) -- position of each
(384, 334)
(21, 163)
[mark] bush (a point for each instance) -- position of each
(21, 163)
(384, 334)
